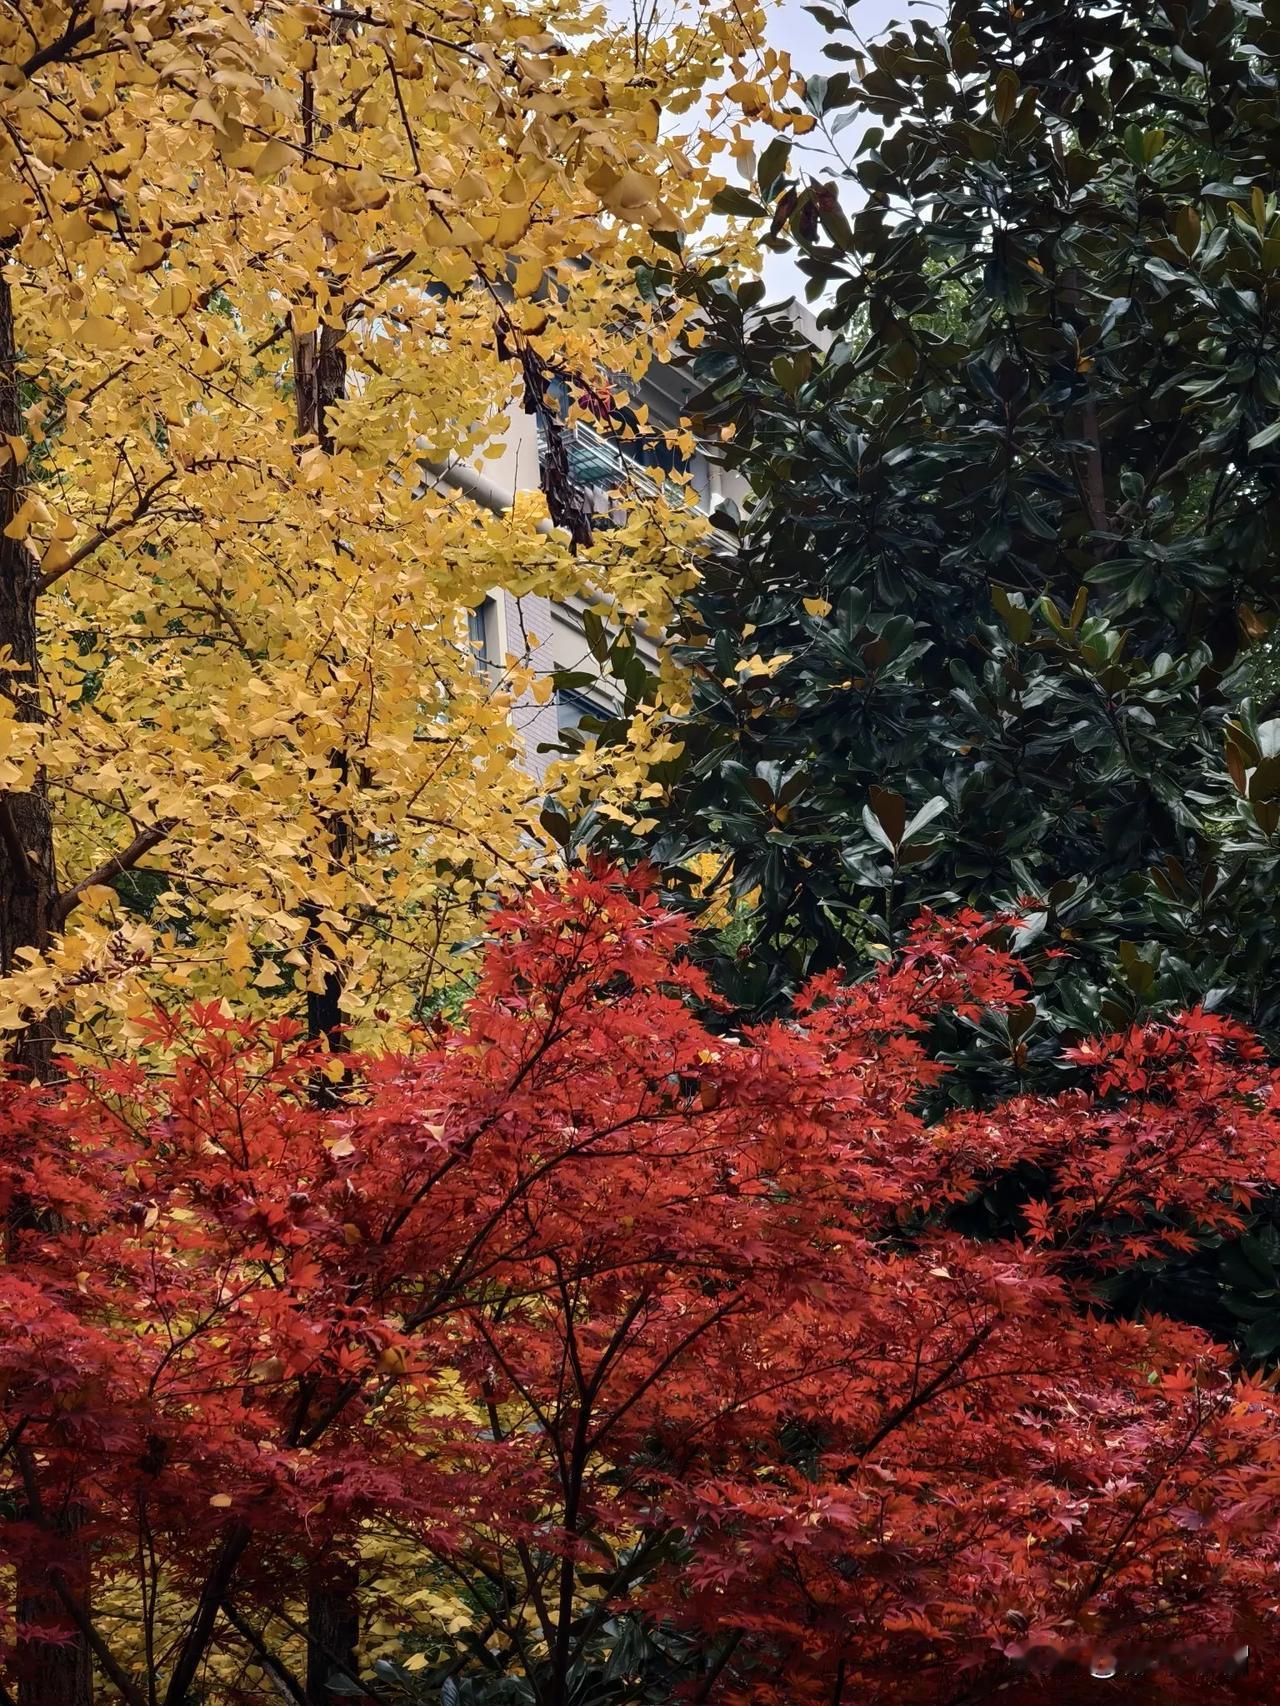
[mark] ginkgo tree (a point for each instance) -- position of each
(263, 266)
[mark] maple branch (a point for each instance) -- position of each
(149, 1588)
(533, 1580)
(1101, 1573)
(522, 1186)
(543, 1420)
(622, 1580)
(562, 1656)
(76, 1612)
(275, 1668)
(639, 1303)
(533, 1583)
(713, 1675)
(11, 1439)
(655, 1374)
(200, 1630)
(929, 1390)
(118, 863)
(550, 1034)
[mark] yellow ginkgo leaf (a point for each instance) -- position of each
(526, 278)
(97, 331)
(261, 271)
(237, 953)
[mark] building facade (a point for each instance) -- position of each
(602, 463)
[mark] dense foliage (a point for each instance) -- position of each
(631, 1360)
(998, 624)
(264, 271)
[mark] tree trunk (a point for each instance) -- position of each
(51, 1673)
(324, 1005)
(319, 380)
(59, 1672)
(333, 1632)
(333, 1607)
(55, 1673)
(27, 881)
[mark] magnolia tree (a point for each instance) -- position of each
(629, 1361)
(997, 624)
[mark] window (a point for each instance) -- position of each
(572, 707)
(480, 630)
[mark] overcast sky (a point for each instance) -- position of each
(803, 36)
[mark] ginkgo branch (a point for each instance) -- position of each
(63, 46)
(115, 866)
(107, 532)
(404, 115)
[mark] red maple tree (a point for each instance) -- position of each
(581, 1309)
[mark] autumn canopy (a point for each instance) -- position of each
(427, 1276)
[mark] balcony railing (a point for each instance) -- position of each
(601, 464)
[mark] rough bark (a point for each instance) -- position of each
(50, 1672)
(324, 1005)
(333, 1632)
(319, 380)
(333, 1610)
(58, 1672)
(27, 881)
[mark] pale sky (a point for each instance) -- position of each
(803, 36)
(792, 29)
